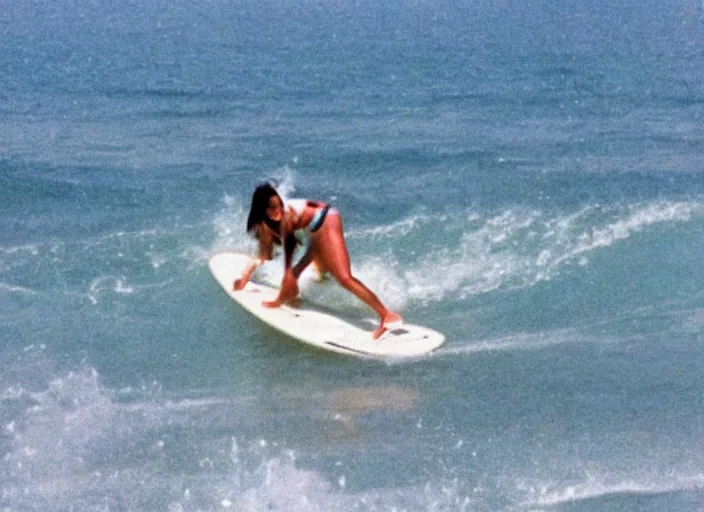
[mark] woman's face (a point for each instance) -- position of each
(275, 209)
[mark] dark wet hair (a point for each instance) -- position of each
(257, 212)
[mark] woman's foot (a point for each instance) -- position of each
(389, 321)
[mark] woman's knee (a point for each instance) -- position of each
(345, 280)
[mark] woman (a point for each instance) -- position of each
(271, 221)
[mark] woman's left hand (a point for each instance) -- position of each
(287, 293)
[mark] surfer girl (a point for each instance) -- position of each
(273, 221)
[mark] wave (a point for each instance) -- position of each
(511, 250)
(518, 249)
(596, 489)
(428, 257)
(421, 258)
(67, 439)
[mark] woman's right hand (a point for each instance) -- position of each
(239, 284)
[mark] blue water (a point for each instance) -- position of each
(523, 176)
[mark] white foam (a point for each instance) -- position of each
(284, 179)
(115, 284)
(278, 484)
(381, 275)
(518, 249)
(484, 258)
(231, 222)
(521, 341)
(17, 289)
(68, 443)
(55, 431)
(577, 235)
(598, 487)
(230, 229)
(32, 249)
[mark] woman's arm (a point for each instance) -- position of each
(265, 253)
(244, 279)
(289, 285)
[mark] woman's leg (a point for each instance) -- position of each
(330, 251)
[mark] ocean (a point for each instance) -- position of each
(526, 177)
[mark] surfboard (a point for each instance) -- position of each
(318, 326)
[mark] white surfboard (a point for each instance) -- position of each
(314, 325)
